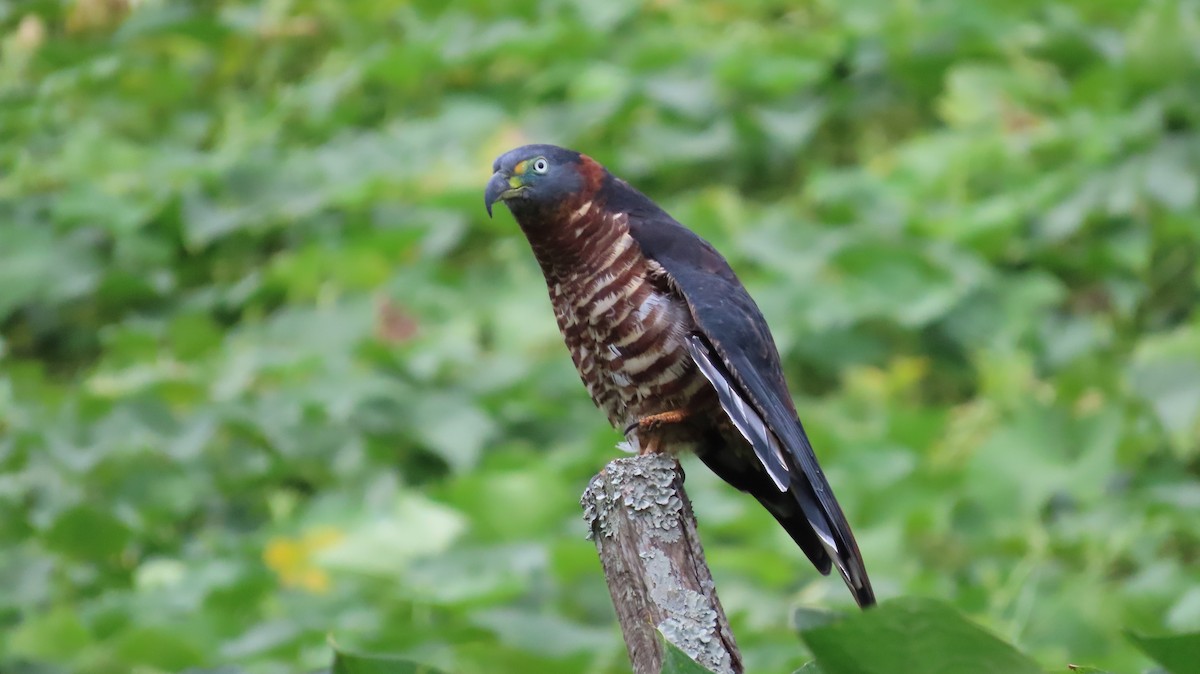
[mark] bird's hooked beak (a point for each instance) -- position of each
(501, 187)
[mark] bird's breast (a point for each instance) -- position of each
(625, 331)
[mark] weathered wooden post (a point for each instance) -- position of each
(642, 523)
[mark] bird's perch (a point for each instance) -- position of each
(642, 523)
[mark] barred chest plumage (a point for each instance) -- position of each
(624, 331)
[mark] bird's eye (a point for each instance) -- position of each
(540, 165)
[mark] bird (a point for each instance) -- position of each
(669, 343)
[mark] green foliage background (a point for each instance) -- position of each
(268, 372)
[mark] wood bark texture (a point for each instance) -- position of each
(642, 523)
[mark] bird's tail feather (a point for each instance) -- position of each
(788, 509)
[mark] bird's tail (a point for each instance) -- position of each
(790, 511)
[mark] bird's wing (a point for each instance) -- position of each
(747, 374)
(743, 415)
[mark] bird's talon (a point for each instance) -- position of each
(650, 447)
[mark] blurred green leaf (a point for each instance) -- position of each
(451, 426)
(87, 532)
(543, 634)
(416, 527)
(268, 371)
(1166, 372)
(56, 636)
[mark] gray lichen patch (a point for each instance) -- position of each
(691, 623)
(646, 487)
(596, 508)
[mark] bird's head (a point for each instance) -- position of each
(537, 178)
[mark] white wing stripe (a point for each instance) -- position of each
(747, 421)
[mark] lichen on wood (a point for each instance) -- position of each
(642, 524)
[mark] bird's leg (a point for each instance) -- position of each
(652, 422)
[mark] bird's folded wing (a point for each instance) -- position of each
(744, 417)
(747, 360)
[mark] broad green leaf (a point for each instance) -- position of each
(676, 661)
(1178, 653)
(912, 636)
(56, 636)
(170, 649)
(345, 662)
(87, 532)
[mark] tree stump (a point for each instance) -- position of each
(642, 523)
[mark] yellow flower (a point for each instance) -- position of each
(292, 559)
